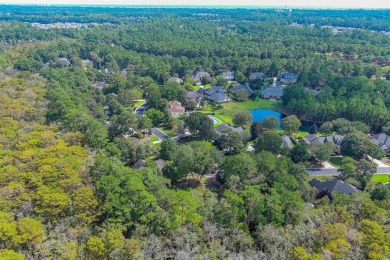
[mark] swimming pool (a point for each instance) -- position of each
(216, 120)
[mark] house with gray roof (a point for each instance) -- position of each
(326, 188)
(382, 140)
(229, 75)
(99, 85)
(258, 75)
(200, 75)
(286, 142)
(273, 92)
(215, 94)
(175, 79)
(139, 164)
(247, 88)
(287, 78)
(222, 129)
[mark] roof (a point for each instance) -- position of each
(288, 75)
(139, 164)
(160, 163)
(250, 148)
(334, 186)
(247, 88)
(286, 141)
(175, 79)
(381, 139)
(200, 74)
(310, 138)
(228, 74)
(227, 126)
(273, 91)
(193, 95)
(335, 139)
(258, 75)
(215, 93)
(99, 85)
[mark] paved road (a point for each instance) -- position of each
(141, 109)
(329, 172)
(160, 134)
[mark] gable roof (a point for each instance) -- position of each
(236, 88)
(200, 74)
(381, 139)
(99, 85)
(228, 74)
(139, 164)
(334, 186)
(288, 75)
(175, 79)
(273, 91)
(258, 75)
(193, 95)
(286, 141)
(215, 93)
(227, 126)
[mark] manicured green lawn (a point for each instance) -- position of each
(227, 112)
(384, 178)
(335, 161)
(321, 178)
(154, 138)
(169, 132)
(138, 103)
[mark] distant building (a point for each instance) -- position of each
(382, 140)
(86, 62)
(64, 61)
(99, 85)
(287, 78)
(175, 108)
(326, 188)
(286, 142)
(215, 94)
(221, 130)
(273, 92)
(229, 75)
(175, 79)
(247, 88)
(200, 75)
(334, 139)
(258, 75)
(139, 164)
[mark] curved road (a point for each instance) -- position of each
(141, 109)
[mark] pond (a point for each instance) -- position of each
(259, 114)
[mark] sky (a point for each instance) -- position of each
(290, 3)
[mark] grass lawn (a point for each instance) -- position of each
(169, 132)
(321, 178)
(154, 138)
(384, 178)
(335, 161)
(226, 114)
(138, 103)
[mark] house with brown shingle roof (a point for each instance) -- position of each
(176, 109)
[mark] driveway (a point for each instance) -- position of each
(141, 109)
(160, 134)
(333, 171)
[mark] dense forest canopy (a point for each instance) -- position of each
(84, 174)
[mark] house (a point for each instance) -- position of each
(221, 130)
(160, 163)
(47, 64)
(229, 75)
(244, 87)
(288, 78)
(326, 188)
(286, 142)
(382, 140)
(175, 79)
(107, 110)
(251, 148)
(273, 92)
(175, 108)
(258, 75)
(200, 75)
(86, 62)
(215, 94)
(99, 85)
(64, 61)
(335, 139)
(139, 164)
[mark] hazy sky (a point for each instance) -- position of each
(306, 3)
